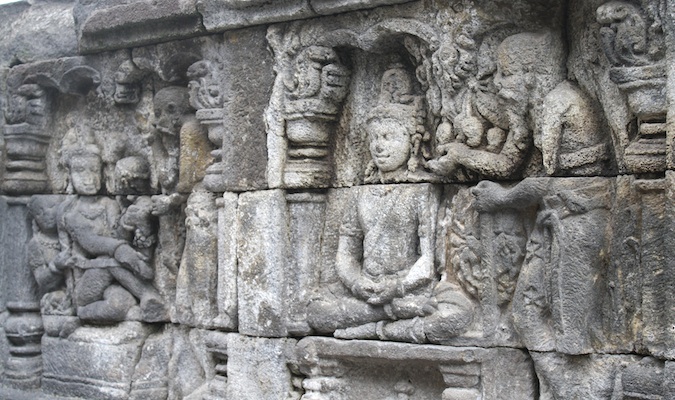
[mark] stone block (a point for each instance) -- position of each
(263, 257)
(138, 23)
(224, 15)
(228, 227)
(81, 365)
(256, 368)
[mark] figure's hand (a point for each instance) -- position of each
(384, 292)
(162, 204)
(62, 260)
(375, 293)
(420, 274)
(450, 159)
(489, 196)
(364, 288)
(138, 263)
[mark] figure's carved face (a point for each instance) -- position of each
(85, 174)
(171, 105)
(126, 93)
(511, 82)
(389, 144)
(43, 209)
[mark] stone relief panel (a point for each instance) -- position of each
(493, 96)
(437, 199)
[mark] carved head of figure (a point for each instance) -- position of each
(132, 175)
(84, 164)
(395, 128)
(172, 106)
(127, 80)
(43, 209)
(529, 65)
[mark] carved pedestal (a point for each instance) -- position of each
(216, 343)
(94, 362)
(337, 369)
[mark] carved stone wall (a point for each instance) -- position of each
(337, 199)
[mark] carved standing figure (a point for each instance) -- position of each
(385, 257)
(557, 300)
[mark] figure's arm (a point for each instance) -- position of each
(422, 272)
(350, 246)
(491, 196)
(495, 166)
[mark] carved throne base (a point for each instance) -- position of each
(351, 369)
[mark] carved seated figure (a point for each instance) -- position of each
(109, 273)
(385, 256)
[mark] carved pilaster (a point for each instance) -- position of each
(307, 213)
(632, 41)
(23, 326)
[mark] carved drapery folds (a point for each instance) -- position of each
(438, 199)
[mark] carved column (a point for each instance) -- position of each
(462, 381)
(216, 345)
(23, 326)
(311, 109)
(207, 98)
(323, 381)
(638, 67)
(26, 140)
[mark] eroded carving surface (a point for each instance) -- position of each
(418, 200)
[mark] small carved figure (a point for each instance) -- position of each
(108, 271)
(127, 83)
(385, 256)
(44, 246)
(179, 145)
(557, 295)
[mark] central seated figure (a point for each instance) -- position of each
(388, 287)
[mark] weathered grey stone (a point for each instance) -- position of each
(256, 367)
(246, 66)
(227, 294)
(231, 14)
(136, 23)
(80, 365)
(197, 280)
(263, 252)
(36, 31)
(477, 194)
(353, 369)
(151, 373)
(191, 367)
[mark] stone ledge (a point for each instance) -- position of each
(139, 24)
(143, 22)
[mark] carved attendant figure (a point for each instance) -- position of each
(529, 103)
(385, 253)
(557, 295)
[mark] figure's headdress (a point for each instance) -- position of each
(397, 101)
